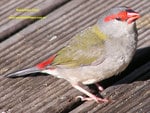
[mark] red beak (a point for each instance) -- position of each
(132, 16)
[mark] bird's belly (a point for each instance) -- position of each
(93, 74)
(112, 65)
(107, 69)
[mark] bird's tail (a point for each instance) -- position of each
(24, 72)
(38, 68)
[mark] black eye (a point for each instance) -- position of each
(119, 19)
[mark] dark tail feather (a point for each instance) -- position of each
(24, 72)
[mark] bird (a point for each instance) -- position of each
(96, 53)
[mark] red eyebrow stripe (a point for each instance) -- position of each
(109, 18)
(122, 15)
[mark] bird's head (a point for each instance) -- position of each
(118, 19)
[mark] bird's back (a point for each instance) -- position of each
(83, 49)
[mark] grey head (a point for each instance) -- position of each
(114, 22)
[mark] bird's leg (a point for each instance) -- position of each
(91, 96)
(100, 88)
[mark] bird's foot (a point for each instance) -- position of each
(95, 98)
(90, 95)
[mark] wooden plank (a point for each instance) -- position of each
(10, 26)
(125, 95)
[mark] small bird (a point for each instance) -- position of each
(94, 54)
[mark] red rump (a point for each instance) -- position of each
(46, 62)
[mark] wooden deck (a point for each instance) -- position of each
(26, 42)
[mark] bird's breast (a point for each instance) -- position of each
(120, 52)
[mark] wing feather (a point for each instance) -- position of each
(83, 49)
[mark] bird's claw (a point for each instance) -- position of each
(96, 99)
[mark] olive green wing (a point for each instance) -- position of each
(83, 49)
